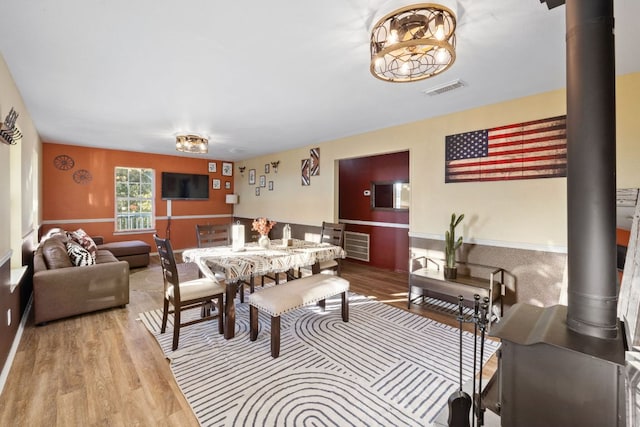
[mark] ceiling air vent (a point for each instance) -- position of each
(447, 87)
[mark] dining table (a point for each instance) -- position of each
(243, 265)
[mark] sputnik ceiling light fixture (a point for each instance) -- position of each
(192, 144)
(413, 43)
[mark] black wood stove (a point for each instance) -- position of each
(564, 365)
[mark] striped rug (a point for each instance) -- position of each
(385, 367)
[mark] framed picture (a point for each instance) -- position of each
(257, 191)
(270, 185)
(266, 168)
(252, 176)
(263, 181)
(227, 169)
(227, 184)
(216, 184)
(213, 167)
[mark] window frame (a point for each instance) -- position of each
(141, 200)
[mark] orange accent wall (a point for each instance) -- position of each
(622, 237)
(64, 199)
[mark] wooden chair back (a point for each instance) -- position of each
(332, 233)
(213, 235)
(169, 268)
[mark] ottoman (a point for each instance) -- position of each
(135, 252)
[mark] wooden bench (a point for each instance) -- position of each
(430, 280)
(292, 295)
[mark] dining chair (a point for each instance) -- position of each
(197, 293)
(332, 233)
(218, 235)
(213, 235)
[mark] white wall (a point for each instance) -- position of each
(19, 166)
(526, 213)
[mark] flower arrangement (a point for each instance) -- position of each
(262, 225)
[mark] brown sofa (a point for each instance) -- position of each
(61, 289)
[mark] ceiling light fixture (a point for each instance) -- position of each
(413, 43)
(192, 144)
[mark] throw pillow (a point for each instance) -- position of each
(78, 255)
(85, 241)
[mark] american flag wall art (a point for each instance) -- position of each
(535, 149)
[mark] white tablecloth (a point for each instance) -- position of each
(257, 261)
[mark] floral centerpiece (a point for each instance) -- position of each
(263, 226)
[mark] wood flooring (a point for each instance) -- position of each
(106, 369)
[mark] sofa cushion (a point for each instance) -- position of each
(85, 241)
(127, 248)
(78, 255)
(104, 256)
(54, 252)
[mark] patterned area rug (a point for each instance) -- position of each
(385, 367)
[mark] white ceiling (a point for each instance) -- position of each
(260, 77)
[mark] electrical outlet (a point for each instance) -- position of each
(9, 317)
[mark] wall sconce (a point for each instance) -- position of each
(231, 199)
(274, 166)
(9, 133)
(241, 169)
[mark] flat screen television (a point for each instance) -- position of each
(185, 186)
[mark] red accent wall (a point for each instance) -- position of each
(389, 247)
(64, 199)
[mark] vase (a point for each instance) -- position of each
(264, 241)
(450, 273)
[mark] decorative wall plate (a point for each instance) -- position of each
(82, 176)
(63, 162)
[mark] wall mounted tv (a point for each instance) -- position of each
(184, 186)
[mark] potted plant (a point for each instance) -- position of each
(451, 245)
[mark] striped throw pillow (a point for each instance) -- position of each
(78, 255)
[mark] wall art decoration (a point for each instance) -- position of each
(257, 191)
(263, 181)
(82, 176)
(227, 185)
(252, 176)
(529, 150)
(227, 169)
(305, 172)
(213, 167)
(63, 162)
(216, 184)
(266, 168)
(314, 153)
(9, 132)
(274, 166)
(270, 185)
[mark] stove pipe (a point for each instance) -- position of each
(591, 168)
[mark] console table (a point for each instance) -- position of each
(429, 278)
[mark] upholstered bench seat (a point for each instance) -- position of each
(135, 252)
(294, 294)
